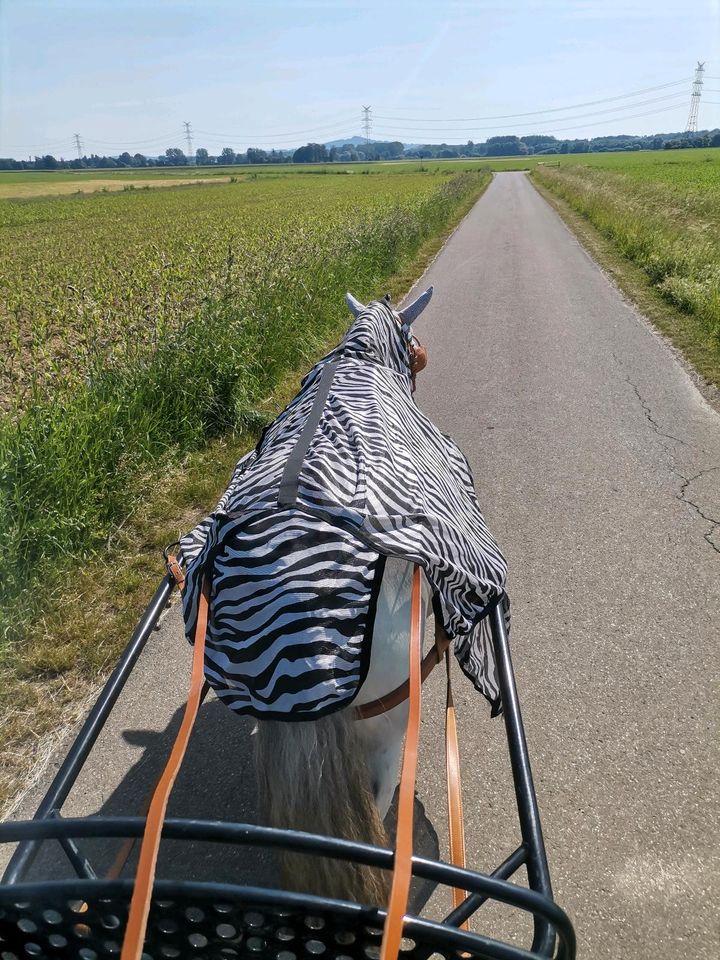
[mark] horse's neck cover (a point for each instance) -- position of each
(349, 473)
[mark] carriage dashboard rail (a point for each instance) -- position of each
(50, 918)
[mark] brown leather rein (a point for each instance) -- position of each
(400, 694)
(419, 669)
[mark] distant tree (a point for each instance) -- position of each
(48, 162)
(227, 155)
(579, 146)
(202, 157)
(175, 157)
(539, 140)
(255, 155)
(311, 153)
(139, 160)
(506, 147)
(125, 160)
(715, 139)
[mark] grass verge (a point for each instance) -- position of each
(701, 351)
(86, 617)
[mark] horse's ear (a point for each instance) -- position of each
(413, 310)
(356, 308)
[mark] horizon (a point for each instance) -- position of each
(85, 67)
(357, 140)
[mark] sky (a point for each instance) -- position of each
(279, 73)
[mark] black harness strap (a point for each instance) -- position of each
(288, 490)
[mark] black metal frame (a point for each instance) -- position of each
(550, 923)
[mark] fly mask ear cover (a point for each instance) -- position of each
(406, 316)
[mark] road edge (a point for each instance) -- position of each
(631, 284)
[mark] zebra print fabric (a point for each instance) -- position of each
(351, 472)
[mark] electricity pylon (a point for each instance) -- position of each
(692, 122)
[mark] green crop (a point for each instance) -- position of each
(143, 322)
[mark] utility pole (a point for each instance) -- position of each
(78, 144)
(692, 122)
(188, 138)
(366, 123)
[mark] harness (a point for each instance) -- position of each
(419, 670)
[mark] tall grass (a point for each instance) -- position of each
(665, 224)
(93, 412)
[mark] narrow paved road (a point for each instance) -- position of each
(598, 466)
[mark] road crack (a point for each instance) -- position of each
(685, 481)
(683, 498)
(648, 413)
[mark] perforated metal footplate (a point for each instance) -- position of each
(193, 928)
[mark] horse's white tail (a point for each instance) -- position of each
(313, 776)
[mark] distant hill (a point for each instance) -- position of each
(355, 141)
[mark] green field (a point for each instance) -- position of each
(141, 323)
(688, 165)
(661, 211)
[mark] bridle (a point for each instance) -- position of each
(417, 355)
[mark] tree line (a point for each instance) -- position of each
(173, 157)
(511, 146)
(502, 146)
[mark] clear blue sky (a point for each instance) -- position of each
(281, 72)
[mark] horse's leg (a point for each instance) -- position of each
(382, 739)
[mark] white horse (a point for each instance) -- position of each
(336, 776)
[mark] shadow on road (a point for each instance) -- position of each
(216, 782)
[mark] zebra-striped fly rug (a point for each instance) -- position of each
(350, 473)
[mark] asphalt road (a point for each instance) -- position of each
(598, 466)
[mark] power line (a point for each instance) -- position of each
(593, 113)
(675, 98)
(532, 113)
(57, 144)
(275, 135)
(598, 123)
(342, 122)
(634, 116)
(131, 143)
(332, 133)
